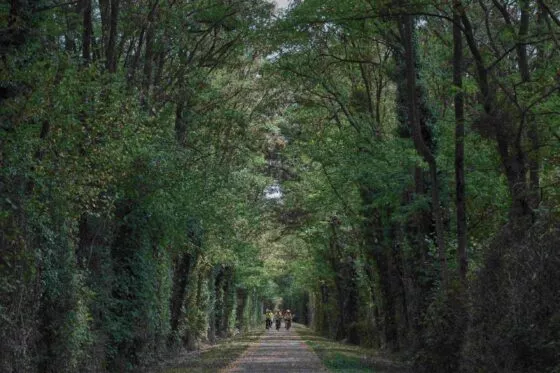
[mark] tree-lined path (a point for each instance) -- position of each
(170, 169)
(278, 351)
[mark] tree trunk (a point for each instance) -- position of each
(105, 13)
(149, 53)
(111, 53)
(421, 147)
(511, 153)
(229, 301)
(379, 247)
(462, 258)
(532, 128)
(180, 278)
(18, 25)
(148, 60)
(87, 30)
(242, 297)
(181, 123)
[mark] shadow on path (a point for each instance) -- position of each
(279, 351)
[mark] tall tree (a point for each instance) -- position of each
(407, 35)
(462, 259)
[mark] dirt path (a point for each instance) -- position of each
(278, 352)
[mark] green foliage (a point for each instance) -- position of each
(356, 164)
(520, 334)
(342, 357)
(133, 211)
(445, 320)
(99, 198)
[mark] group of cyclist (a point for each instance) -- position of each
(277, 317)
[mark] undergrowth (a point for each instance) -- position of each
(216, 357)
(340, 357)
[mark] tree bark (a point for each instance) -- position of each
(229, 300)
(532, 128)
(421, 147)
(111, 53)
(148, 59)
(180, 279)
(181, 123)
(87, 30)
(105, 13)
(462, 258)
(149, 52)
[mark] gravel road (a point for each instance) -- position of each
(278, 352)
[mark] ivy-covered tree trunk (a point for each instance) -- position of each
(241, 320)
(220, 299)
(192, 311)
(223, 309)
(182, 271)
(212, 302)
(229, 299)
(413, 268)
(420, 143)
(345, 280)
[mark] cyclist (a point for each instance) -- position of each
(278, 318)
(269, 316)
(288, 319)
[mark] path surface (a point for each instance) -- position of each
(278, 352)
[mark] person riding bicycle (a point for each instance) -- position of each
(278, 319)
(288, 319)
(269, 316)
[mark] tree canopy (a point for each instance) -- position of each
(388, 170)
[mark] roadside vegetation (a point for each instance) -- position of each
(213, 358)
(389, 170)
(344, 357)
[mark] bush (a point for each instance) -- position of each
(515, 323)
(443, 333)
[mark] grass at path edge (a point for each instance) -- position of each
(215, 357)
(339, 357)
